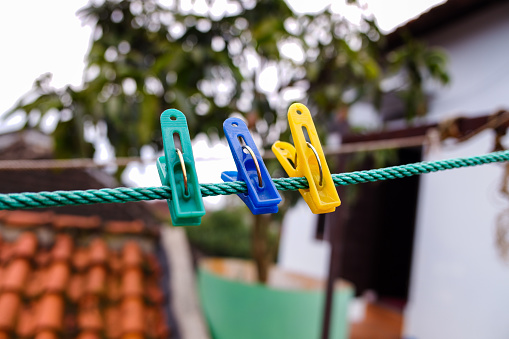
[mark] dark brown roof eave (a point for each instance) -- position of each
(463, 126)
(437, 18)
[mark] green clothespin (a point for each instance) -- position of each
(177, 170)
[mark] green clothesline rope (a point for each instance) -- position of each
(14, 201)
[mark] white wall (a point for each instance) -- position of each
(478, 50)
(459, 284)
(299, 250)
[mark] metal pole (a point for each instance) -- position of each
(334, 232)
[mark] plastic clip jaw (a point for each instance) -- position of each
(178, 171)
(307, 160)
(262, 197)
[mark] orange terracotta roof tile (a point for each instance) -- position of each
(89, 317)
(88, 335)
(27, 218)
(50, 313)
(132, 282)
(57, 277)
(115, 262)
(15, 275)
(131, 254)
(98, 251)
(46, 335)
(80, 259)
(3, 214)
(133, 321)
(35, 284)
(70, 323)
(96, 280)
(113, 288)
(162, 330)
(26, 322)
(74, 221)
(153, 264)
(151, 321)
(43, 258)
(6, 251)
(26, 245)
(112, 318)
(124, 227)
(154, 293)
(133, 336)
(63, 247)
(9, 304)
(76, 287)
(155, 323)
(62, 290)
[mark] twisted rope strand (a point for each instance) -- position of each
(29, 200)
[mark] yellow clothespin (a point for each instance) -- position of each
(306, 159)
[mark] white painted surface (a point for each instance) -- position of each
(459, 283)
(299, 250)
(478, 50)
(184, 300)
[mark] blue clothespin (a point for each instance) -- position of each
(177, 170)
(262, 196)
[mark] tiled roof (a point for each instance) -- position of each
(17, 181)
(26, 144)
(31, 144)
(67, 276)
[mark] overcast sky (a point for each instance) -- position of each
(46, 36)
(38, 37)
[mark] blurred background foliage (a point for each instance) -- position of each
(211, 62)
(252, 58)
(226, 233)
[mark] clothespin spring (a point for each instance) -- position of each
(184, 172)
(260, 181)
(317, 159)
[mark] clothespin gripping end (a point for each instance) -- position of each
(262, 196)
(308, 161)
(177, 170)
